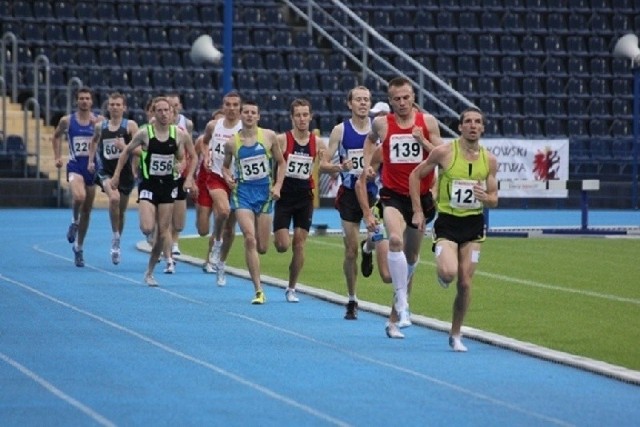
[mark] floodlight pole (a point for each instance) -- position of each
(636, 132)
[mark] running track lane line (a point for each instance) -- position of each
(95, 416)
(268, 392)
(433, 380)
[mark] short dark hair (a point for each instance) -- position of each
(300, 102)
(399, 81)
(249, 102)
(471, 110)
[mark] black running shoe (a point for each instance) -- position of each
(366, 264)
(78, 257)
(352, 311)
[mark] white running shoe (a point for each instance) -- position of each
(393, 332)
(221, 279)
(405, 319)
(175, 250)
(207, 267)
(171, 266)
(455, 342)
(290, 295)
(150, 280)
(115, 251)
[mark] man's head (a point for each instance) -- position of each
(84, 99)
(301, 114)
(249, 113)
(471, 125)
(359, 101)
(231, 103)
(401, 96)
(163, 111)
(117, 105)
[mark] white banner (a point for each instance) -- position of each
(530, 160)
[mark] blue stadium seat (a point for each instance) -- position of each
(576, 127)
(467, 66)
(510, 66)
(621, 108)
(577, 67)
(468, 21)
(555, 87)
(599, 67)
(599, 108)
(329, 82)
(445, 67)
(117, 34)
(557, 23)
(74, 34)
(161, 79)
(555, 108)
(512, 23)
(622, 128)
(577, 107)
(490, 21)
(465, 85)
(128, 58)
(488, 66)
(309, 81)
(444, 43)
(600, 24)
(487, 43)
(532, 108)
(509, 44)
(42, 10)
(510, 86)
(22, 9)
(108, 58)
(119, 79)
(252, 61)
(423, 43)
(597, 45)
(86, 56)
(599, 87)
(597, 127)
(486, 86)
(578, 24)
(531, 128)
(576, 87)
(553, 128)
(140, 78)
(511, 127)
(531, 87)
(487, 105)
(103, 10)
(555, 66)
(534, 22)
(273, 61)
(509, 107)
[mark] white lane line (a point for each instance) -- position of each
(273, 394)
(100, 419)
(257, 387)
(525, 282)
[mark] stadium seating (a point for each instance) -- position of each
(538, 67)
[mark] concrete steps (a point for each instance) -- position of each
(15, 125)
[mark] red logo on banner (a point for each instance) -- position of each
(546, 164)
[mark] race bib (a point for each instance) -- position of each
(462, 195)
(254, 168)
(404, 148)
(81, 145)
(299, 166)
(356, 156)
(109, 149)
(161, 164)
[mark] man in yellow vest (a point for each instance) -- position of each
(466, 185)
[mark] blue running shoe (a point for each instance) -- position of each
(72, 232)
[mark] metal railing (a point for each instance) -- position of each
(44, 60)
(362, 46)
(36, 110)
(14, 62)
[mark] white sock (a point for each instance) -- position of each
(399, 270)
(116, 235)
(368, 246)
(217, 243)
(353, 298)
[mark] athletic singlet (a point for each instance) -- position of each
(299, 164)
(219, 138)
(108, 152)
(253, 163)
(401, 153)
(157, 161)
(455, 182)
(182, 124)
(79, 137)
(352, 147)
